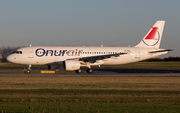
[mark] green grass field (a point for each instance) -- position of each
(137, 65)
(107, 94)
(92, 107)
(148, 65)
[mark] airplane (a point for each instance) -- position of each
(74, 58)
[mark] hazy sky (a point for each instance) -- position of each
(87, 22)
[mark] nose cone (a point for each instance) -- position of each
(13, 59)
(9, 58)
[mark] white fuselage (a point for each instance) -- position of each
(48, 55)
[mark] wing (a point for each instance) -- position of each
(84, 60)
(93, 59)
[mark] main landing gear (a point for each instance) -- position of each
(89, 70)
(79, 71)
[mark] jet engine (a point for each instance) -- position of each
(56, 66)
(71, 65)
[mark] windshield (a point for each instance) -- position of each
(17, 52)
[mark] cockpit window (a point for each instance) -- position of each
(18, 52)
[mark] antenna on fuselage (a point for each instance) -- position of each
(102, 45)
(30, 45)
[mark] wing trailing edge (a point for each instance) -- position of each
(93, 59)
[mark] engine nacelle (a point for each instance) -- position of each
(71, 65)
(57, 66)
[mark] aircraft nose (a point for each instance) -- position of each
(9, 58)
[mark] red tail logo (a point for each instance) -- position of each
(152, 34)
(152, 38)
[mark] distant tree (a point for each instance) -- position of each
(172, 59)
(162, 59)
(5, 51)
(154, 60)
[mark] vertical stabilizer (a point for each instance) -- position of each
(153, 37)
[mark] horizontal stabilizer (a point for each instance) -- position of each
(161, 51)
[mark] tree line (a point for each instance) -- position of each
(163, 59)
(5, 51)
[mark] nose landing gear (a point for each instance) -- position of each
(28, 69)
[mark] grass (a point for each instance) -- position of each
(89, 89)
(108, 94)
(137, 65)
(92, 107)
(91, 82)
(18, 65)
(148, 65)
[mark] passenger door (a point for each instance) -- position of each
(30, 53)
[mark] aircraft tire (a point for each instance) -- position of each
(89, 70)
(28, 71)
(79, 71)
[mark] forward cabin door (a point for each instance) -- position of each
(30, 53)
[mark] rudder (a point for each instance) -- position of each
(153, 37)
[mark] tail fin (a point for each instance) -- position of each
(153, 37)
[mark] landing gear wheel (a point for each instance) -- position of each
(89, 70)
(78, 71)
(28, 71)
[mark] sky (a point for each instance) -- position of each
(87, 22)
